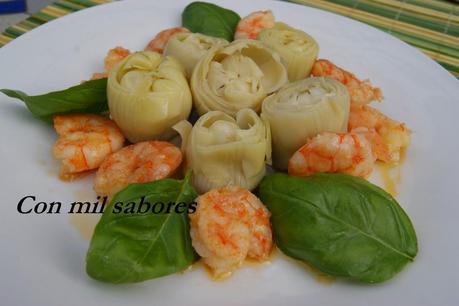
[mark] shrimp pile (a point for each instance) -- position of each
(371, 135)
(114, 56)
(230, 225)
(85, 140)
(138, 163)
(159, 42)
(361, 92)
(387, 136)
(333, 152)
(251, 25)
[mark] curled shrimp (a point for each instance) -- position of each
(159, 42)
(85, 140)
(251, 25)
(361, 92)
(138, 163)
(333, 152)
(99, 75)
(113, 57)
(230, 225)
(387, 136)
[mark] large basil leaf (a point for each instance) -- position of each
(88, 97)
(210, 19)
(133, 247)
(343, 225)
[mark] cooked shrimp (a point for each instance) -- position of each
(99, 75)
(230, 225)
(159, 42)
(333, 152)
(251, 25)
(387, 136)
(85, 140)
(361, 92)
(113, 57)
(138, 163)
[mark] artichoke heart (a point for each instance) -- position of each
(236, 76)
(301, 110)
(297, 49)
(223, 150)
(188, 48)
(148, 94)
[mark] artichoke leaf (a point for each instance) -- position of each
(148, 94)
(188, 48)
(225, 150)
(298, 49)
(236, 76)
(301, 110)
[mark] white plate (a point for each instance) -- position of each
(42, 256)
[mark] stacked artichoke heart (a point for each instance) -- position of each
(151, 96)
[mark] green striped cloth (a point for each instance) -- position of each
(429, 25)
(53, 11)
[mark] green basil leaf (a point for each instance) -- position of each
(210, 19)
(133, 247)
(342, 224)
(88, 97)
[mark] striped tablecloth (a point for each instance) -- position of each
(430, 25)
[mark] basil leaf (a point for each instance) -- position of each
(210, 19)
(133, 247)
(342, 224)
(88, 97)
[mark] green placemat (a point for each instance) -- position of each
(53, 11)
(430, 25)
